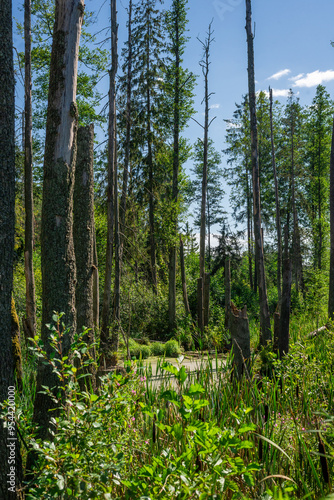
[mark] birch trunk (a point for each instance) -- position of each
(265, 334)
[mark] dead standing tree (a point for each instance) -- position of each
(112, 159)
(203, 315)
(331, 204)
(58, 259)
(265, 334)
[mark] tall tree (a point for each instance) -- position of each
(331, 209)
(148, 126)
(277, 203)
(58, 259)
(265, 335)
(179, 87)
(30, 320)
(318, 133)
(8, 438)
(214, 193)
(112, 160)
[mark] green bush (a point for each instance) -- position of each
(137, 350)
(157, 349)
(172, 349)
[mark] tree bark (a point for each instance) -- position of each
(118, 259)
(265, 334)
(227, 293)
(183, 279)
(30, 320)
(278, 214)
(200, 311)
(7, 231)
(239, 328)
(331, 209)
(96, 289)
(206, 299)
(284, 324)
(83, 232)
(57, 248)
(112, 153)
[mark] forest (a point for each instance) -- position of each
(166, 304)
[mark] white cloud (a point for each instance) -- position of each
(298, 77)
(279, 92)
(314, 79)
(215, 106)
(279, 74)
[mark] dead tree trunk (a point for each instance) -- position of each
(96, 290)
(283, 339)
(183, 279)
(7, 232)
(112, 159)
(265, 334)
(58, 259)
(205, 64)
(331, 203)
(239, 328)
(278, 214)
(30, 319)
(83, 232)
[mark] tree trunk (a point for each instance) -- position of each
(183, 278)
(331, 209)
(8, 438)
(206, 299)
(283, 339)
(126, 170)
(278, 215)
(200, 311)
(30, 320)
(106, 317)
(175, 187)
(239, 328)
(96, 290)
(249, 232)
(117, 290)
(227, 293)
(265, 334)
(83, 234)
(57, 248)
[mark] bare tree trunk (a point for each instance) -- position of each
(8, 440)
(206, 299)
(83, 233)
(96, 290)
(30, 320)
(249, 231)
(112, 154)
(265, 334)
(58, 258)
(239, 328)
(331, 203)
(205, 64)
(227, 293)
(118, 259)
(183, 278)
(278, 215)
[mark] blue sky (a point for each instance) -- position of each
(292, 46)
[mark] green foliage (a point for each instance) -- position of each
(172, 349)
(157, 349)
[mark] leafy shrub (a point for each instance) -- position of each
(137, 350)
(172, 349)
(157, 349)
